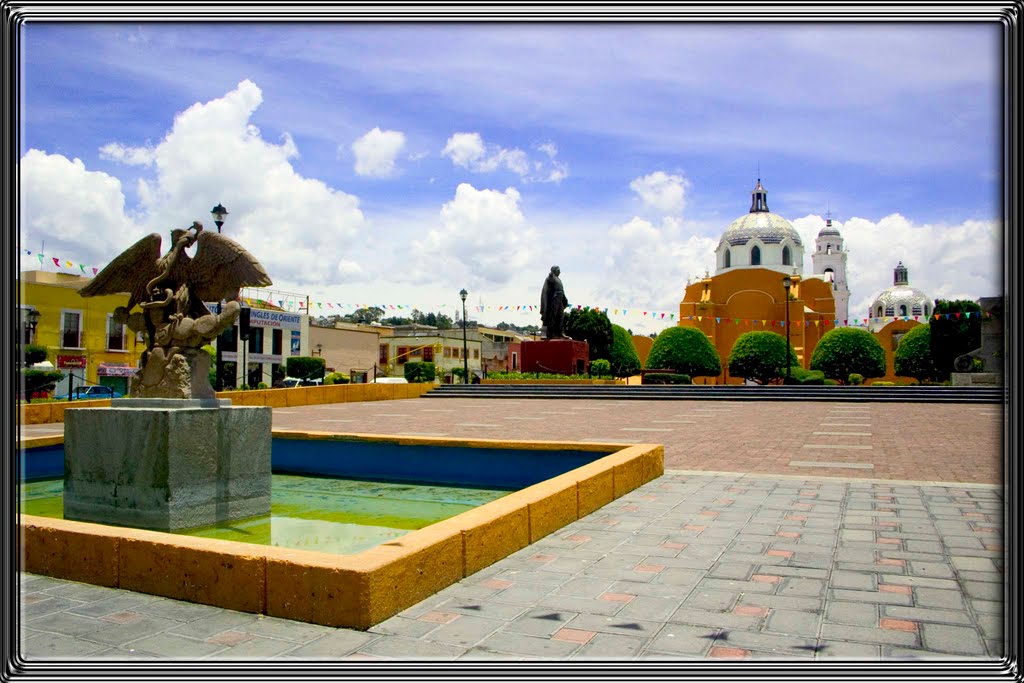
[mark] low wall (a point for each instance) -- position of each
(43, 413)
(351, 591)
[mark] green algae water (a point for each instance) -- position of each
(325, 514)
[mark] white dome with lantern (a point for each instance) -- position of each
(899, 301)
(760, 239)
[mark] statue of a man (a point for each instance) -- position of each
(552, 305)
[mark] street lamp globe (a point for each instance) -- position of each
(218, 215)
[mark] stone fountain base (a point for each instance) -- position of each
(166, 464)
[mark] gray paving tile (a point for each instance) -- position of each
(175, 609)
(46, 605)
(861, 634)
(939, 598)
(121, 602)
(256, 648)
(81, 591)
(284, 629)
(334, 645)
(531, 646)
(940, 616)
(610, 646)
(678, 639)
(956, 639)
(174, 646)
(59, 646)
(68, 624)
(465, 631)
(786, 645)
(852, 613)
(213, 624)
(793, 622)
(119, 634)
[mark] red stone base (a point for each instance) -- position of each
(561, 356)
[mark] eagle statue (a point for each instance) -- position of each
(170, 291)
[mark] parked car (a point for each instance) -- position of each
(290, 382)
(94, 391)
(391, 380)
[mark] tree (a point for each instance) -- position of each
(420, 371)
(305, 367)
(438, 320)
(592, 326)
(623, 357)
(687, 351)
(913, 357)
(372, 314)
(953, 336)
(844, 350)
(760, 356)
(37, 380)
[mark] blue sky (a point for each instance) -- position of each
(400, 163)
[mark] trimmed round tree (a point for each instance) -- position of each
(913, 357)
(760, 356)
(623, 357)
(592, 326)
(686, 351)
(848, 349)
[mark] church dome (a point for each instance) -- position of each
(770, 228)
(760, 239)
(899, 301)
(829, 230)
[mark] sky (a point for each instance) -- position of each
(395, 164)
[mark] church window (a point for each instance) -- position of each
(903, 309)
(755, 256)
(889, 310)
(828, 249)
(878, 312)
(829, 275)
(926, 312)
(916, 310)
(728, 258)
(787, 260)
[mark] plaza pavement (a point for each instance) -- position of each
(794, 531)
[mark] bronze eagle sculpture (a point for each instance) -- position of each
(171, 291)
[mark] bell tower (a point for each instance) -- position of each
(829, 261)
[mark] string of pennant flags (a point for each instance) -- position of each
(299, 305)
(62, 263)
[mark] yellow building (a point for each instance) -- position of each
(80, 333)
(757, 251)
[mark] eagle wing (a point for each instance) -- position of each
(129, 272)
(221, 267)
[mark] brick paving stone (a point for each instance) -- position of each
(935, 597)
(934, 570)
(981, 590)
(803, 587)
(67, 624)
(941, 616)
(59, 646)
(957, 639)
(465, 632)
(678, 639)
(852, 613)
(828, 649)
(119, 634)
(647, 607)
(863, 634)
(610, 646)
(785, 645)
(730, 620)
(214, 624)
(622, 626)
(175, 646)
(793, 622)
(531, 646)
(860, 581)
(400, 647)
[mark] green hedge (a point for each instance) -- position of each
(666, 378)
(337, 378)
(623, 357)
(846, 350)
(305, 367)
(760, 356)
(600, 368)
(686, 350)
(913, 357)
(533, 375)
(418, 372)
(797, 375)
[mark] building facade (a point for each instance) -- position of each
(83, 340)
(756, 253)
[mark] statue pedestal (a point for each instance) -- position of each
(561, 356)
(166, 464)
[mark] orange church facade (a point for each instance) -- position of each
(737, 301)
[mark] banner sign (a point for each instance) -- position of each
(265, 318)
(70, 361)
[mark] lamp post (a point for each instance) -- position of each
(31, 320)
(787, 282)
(218, 217)
(323, 366)
(465, 349)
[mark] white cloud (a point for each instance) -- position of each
(76, 212)
(133, 156)
(647, 265)
(468, 150)
(376, 152)
(212, 154)
(483, 238)
(349, 269)
(961, 261)
(664, 192)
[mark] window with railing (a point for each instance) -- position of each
(117, 337)
(382, 358)
(428, 354)
(71, 329)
